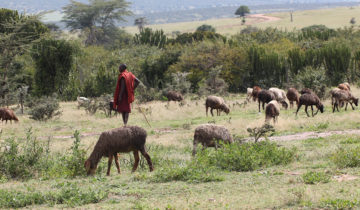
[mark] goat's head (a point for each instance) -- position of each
(90, 167)
(320, 106)
(284, 104)
(225, 108)
(356, 101)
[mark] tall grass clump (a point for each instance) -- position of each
(312, 177)
(193, 171)
(346, 157)
(69, 194)
(248, 156)
(21, 160)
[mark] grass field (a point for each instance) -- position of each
(170, 138)
(333, 18)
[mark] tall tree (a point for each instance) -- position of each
(96, 17)
(242, 11)
(53, 60)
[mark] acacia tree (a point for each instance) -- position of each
(97, 18)
(242, 11)
(17, 33)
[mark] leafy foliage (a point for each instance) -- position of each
(346, 157)
(315, 177)
(44, 108)
(242, 11)
(53, 60)
(153, 38)
(206, 27)
(247, 156)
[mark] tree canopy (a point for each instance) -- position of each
(242, 11)
(96, 18)
(206, 27)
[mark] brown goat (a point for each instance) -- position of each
(344, 96)
(293, 95)
(306, 90)
(308, 99)
(344, 86)
(215, 102)
(7, 114)
(255, 92)
(209, 134)
(272, 110)
(174, 96)
(123, 140)
(265, 96)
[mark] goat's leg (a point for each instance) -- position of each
(346, 106)
(117, 162)
(312, 111)
(263, 105)
(194, 148)
(136, 163)
(306, 107)
(298, 109)
(211, 111)
(352, 106)
(147, 157)
(333, 105)
(291, 104)
(109, 164)
(207, 110)
(259, 104)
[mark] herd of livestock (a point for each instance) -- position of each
(133, 138)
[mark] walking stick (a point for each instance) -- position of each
(140, 110)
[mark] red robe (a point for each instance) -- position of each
(128, 96)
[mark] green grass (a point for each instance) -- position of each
(269, 176)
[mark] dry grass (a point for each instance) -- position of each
(333, 18)
(275, 187)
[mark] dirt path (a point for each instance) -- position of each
(292, 137)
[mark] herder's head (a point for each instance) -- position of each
(122, 67)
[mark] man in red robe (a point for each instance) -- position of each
(124, 93)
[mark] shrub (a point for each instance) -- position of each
(21, 161)
(339, 204)
(44, 108)
(315, 177)
(350, 140)
(314, 79)
(194, 171)
(248, 156)
(346, 157)
(68, 193)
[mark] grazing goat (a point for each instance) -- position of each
(209, 135)
(344, 96)
(124, 139)
(332, 93)
(174, 96)
(215, 102)
(249, 92)
(256, 91)
(82, 101)
(272, 110)
(293, 95)
(265, 96)
(310, 99)
(7, 114)
(280, 96)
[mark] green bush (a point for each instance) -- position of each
(44, 108)
(194, 171)
(346, 157)
(21, 161)
(66, 193)
(248, 156)
(315, 177)
(314, 79)
(339, 204)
